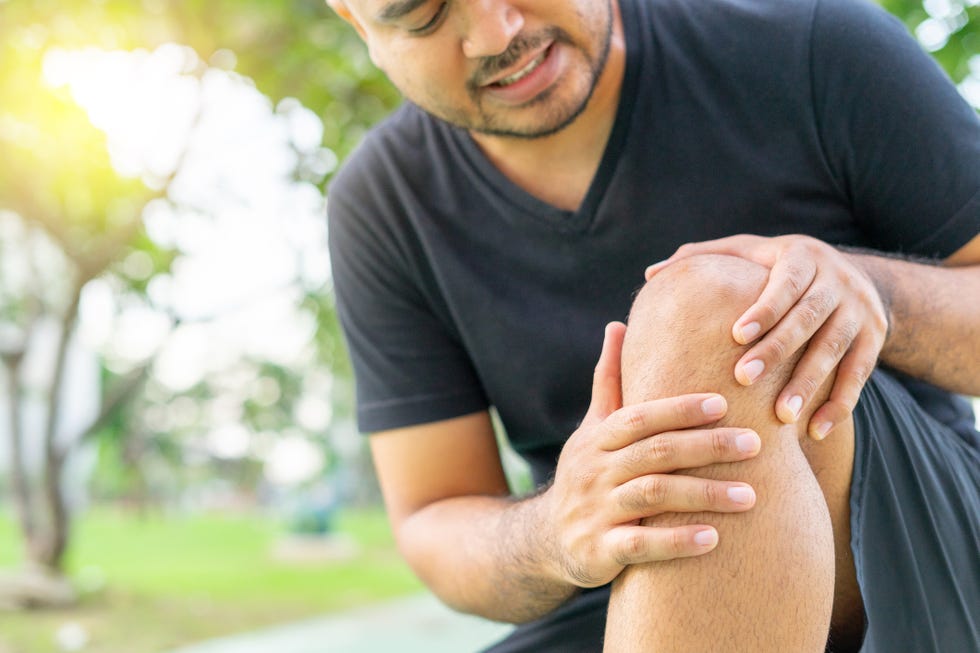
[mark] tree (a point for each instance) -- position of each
(72, 220)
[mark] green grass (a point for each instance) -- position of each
(171, 581)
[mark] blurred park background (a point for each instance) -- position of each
(178, 457)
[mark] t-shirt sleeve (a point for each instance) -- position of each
(901, 142)
(409, 365)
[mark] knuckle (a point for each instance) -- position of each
(811, 311)
(778, 349)
(859, 373)
(708, 494)
(675, 542)
(796, 279)
(578, 573)
(840, 338)
(832, 347)
(720, 444)
(807, 385)
(848, 329)
(661, 450)
(632, 418)
(654, 491)
(632, 548)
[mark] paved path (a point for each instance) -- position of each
(419, 624)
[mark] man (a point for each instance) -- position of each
(483, 236)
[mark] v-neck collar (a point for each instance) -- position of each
(561, 219)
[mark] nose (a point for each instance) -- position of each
(490, 27)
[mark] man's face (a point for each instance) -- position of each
(518, 68)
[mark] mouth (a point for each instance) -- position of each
(523, 72)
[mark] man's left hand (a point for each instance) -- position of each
(815, 297)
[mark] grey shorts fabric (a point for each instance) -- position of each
(915, 535)
(915, 526)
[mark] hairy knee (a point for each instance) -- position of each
(680, 325)
(679, 337)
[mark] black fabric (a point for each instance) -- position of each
(458, 290)
(915, 529)
(576, 627)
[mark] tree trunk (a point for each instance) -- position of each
(18, 473)
(50, 554)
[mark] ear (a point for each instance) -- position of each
(340, 6)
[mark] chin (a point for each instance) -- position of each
(551, 115)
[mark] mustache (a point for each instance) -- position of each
(488, 67)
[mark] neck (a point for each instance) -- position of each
(559, 168)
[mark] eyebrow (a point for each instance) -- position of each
(395, 10)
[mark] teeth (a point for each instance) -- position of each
(523, 72)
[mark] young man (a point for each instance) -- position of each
(483, 236)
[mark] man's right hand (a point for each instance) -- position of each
(616, 469)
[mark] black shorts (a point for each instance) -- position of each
(915, 535)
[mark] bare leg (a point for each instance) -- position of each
(769, 585)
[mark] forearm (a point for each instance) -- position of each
(486, 555)
(934, 320)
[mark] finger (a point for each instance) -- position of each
(669, 452)
(731, 245)
(607, 380)
(789, 280)
(789, 336)
(823, 353)
(629, 545)
(637, 421)
(852, 373)
(654, 494)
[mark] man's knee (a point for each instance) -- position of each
(680, 339)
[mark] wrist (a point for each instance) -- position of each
(541, 536)
(876, 270)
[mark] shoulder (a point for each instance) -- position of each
(744, 46)
(367, 198)
(734, 20)
(384, 152)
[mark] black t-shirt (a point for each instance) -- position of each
(458, 290)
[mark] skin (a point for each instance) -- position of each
(514, 560)
(770, 584)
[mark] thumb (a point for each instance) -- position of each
(607, 395)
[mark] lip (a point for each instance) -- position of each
(519, 65)
(529, 87)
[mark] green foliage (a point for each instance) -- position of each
(56, 173)
(961, 18)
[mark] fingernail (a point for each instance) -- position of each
(753, 369)
(741, 495)
(749, 331)
(822, 429)
(708, 537)
(713, 406)
(795, 403)
(748, 442)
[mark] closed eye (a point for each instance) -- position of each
(433, 22)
